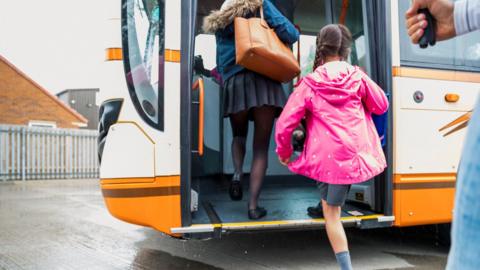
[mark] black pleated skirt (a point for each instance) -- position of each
(247, 89)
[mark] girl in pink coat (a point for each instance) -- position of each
(342, 146)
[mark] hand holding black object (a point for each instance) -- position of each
(428, 36)
(443, 24)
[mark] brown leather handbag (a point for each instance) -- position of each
(259, 49)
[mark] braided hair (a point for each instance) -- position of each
(332, 40)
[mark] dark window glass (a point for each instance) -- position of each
(143, 34)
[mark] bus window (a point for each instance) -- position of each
(207, 49)
(461, 53)
(144, 54)
(350, 13)
(311, 16)
(307, 53)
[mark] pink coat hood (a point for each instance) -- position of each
(342, 145)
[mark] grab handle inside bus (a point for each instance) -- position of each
(198, 84)
(298, 52)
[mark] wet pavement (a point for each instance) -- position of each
(65, 225)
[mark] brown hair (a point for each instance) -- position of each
(332, 40)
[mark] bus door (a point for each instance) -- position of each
(140, 127)
(207, 132)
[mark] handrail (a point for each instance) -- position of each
(343, 12)
(298, 51)
(198, 84)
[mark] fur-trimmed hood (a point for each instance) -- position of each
(221, 18)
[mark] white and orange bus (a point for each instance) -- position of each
(164, 144)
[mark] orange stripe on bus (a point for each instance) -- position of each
(420, 199)
(113, 54)
(172, 56)
(424, 178)
(107, 181)
(140, 182)
(435, 74)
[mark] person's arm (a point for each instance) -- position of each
(373, 97)
(290, 118)
(284, 29)
(466, 16)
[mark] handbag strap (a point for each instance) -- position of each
(262, 19)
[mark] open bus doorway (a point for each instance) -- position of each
(284, 195)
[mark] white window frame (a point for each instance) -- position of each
(42, 124)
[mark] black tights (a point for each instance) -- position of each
(263, 122)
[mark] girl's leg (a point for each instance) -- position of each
(335, 231)
(336, 234)
(263, 119)
(239, 122)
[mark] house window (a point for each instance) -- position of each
(42, 124)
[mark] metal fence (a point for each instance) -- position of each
(47, 153)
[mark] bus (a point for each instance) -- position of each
(164, 145)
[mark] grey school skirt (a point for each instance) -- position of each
(247, 89)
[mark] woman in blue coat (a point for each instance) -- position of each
(248, 95)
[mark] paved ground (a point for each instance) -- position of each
(64, 225)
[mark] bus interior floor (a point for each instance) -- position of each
(282, 201)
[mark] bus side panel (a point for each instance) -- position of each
(138, 203)
(423, 199)
(130, 188)
(419, 146)
(426, 161)
(128, 153)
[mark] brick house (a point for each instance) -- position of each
(24, 102)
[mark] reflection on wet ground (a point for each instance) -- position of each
(155, 259)
(422, 262)
(64, 225)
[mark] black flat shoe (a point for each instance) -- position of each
(257, 213)
(235, 190)
(315, 211)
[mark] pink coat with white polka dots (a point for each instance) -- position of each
(342, 145)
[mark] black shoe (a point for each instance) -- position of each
(315, 211)
(235, 190)
(257, 213)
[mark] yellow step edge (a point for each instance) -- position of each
(284, 222)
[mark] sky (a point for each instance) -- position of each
(61, 43)
(58, 43)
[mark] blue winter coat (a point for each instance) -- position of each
(225, 38)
